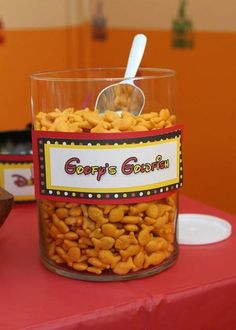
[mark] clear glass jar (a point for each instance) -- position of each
(91, 230)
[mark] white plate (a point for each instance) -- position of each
(195, 229)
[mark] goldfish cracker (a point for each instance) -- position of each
(88, 224)
(124, 241)
(131, 251)
(163, 208)
(95, 238)
(93, 118)
(61, 226)
(62, 212)
(99, 129)
(73, 255)
(61, 252)
(144, 235)
(60, 236)
(164, 114)
(72, 220)
(156, 244)
(148, 116)
(92, 252)
(167, 231)
(121, 240)
(51, 248)
(84, 209)
(131, 219)
(95, 270)
(70, 205)
(169, 237)
(124, 123)
(81, 232)
(105, 243)
(161, 221)
(86, 241)
(108, 258)
(59, 242)
(96, 215)
(86, 120)
(139, 259)
(110, 116)
(130, 227)
(83, 257)
(123, 267)
(68, 243)
(80, 266)
(49, 208)
(116, 214)
(152, 210)
(154, 259)
(71, 236)
(57, 259)
(139, 128)
(54, 231)
(111, 230)
(75, 211)
(106, 208)
(97, 233)
(149, 221)
(96, 262)
(172, 119)
(138, 208)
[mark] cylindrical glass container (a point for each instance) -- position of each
(106, 183)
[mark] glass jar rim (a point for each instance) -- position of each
(54, 76)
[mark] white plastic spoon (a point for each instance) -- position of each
(125, 95)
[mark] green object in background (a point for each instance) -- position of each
(182, 29)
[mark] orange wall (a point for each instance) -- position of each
(28, 51)
(206, 95)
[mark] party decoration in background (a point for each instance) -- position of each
(99, 23)
(182, 34)
(2, 37)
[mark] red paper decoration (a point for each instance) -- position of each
(1, 32)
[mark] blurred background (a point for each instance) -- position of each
(195, 38)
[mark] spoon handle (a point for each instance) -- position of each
(135, 55)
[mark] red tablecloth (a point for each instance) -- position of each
(197, 293)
